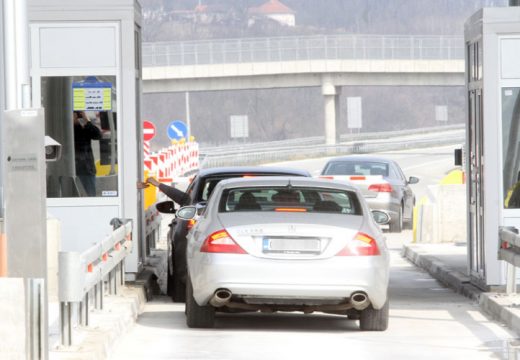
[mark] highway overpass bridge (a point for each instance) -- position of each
(329, 61)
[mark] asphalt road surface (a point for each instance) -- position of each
(427, 320)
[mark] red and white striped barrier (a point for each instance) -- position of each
(173, 161)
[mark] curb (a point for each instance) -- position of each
(453, 279)
(503, 307)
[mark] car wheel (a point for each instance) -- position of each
(374, 320)
(396, 226)
(197, 316)
(179, 290)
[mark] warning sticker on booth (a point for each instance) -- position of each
(96, 96)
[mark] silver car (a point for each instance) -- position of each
(382, 184)
(287, 244)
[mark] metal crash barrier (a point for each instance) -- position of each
(509, 251)
(83, 275)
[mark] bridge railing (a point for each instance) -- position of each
(278, 151)
(263, 153)
(323, 47)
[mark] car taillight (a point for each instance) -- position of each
(221, 242)
(380, 187)
(327, 177)
(360, 245)
(191, 223)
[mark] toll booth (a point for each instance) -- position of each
(492, 38)
(86, 73)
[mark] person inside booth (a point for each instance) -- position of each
(84, 132)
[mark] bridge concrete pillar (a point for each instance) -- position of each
(330, 94)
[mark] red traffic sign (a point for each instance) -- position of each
(148, 130)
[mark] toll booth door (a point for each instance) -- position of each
(476, 198)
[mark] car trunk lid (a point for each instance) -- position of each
(291, 235)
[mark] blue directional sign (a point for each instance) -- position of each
(177, 130)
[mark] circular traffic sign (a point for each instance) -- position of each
(177, 130)
(148, 130)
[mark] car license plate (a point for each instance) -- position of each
(291, 245)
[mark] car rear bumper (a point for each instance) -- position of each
(327, 279)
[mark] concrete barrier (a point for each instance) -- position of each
(13, 330)
(53, 247)
(441, 215)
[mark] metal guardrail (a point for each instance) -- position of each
(152, 228)
(509, 251)
(294, 48)
(210, 149)
(80, 274)
(277, 152)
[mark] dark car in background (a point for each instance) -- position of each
(199, 191)
(382, 183)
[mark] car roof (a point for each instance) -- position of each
(284, 181)
(367, 158)
(252, 170)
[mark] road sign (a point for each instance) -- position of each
(354, 113)
(177, 130)
(148, 130)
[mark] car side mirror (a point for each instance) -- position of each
(413, 180)
(381, 217)
(165, 207)
(187, 212)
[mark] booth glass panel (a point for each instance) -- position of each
(81, 114)
(511, 147)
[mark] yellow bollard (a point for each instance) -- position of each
(416, 209)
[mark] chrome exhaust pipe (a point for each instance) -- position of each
(220, 298)
(359, 300)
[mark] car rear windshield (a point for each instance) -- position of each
(210, 182)
(367, 168)
(290, 199)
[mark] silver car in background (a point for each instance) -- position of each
(382, 184)
(287, 244)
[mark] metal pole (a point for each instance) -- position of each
(65, 320)
(16, 32)
(188, 116)
(122, 264)
(511, 279)
(101, 290)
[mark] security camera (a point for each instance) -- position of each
(52, 149)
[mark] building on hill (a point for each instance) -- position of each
(274, 10)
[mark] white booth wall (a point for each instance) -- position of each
(73, 40)
(493, 39)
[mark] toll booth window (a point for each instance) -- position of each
(511, 146)
(80, 114)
